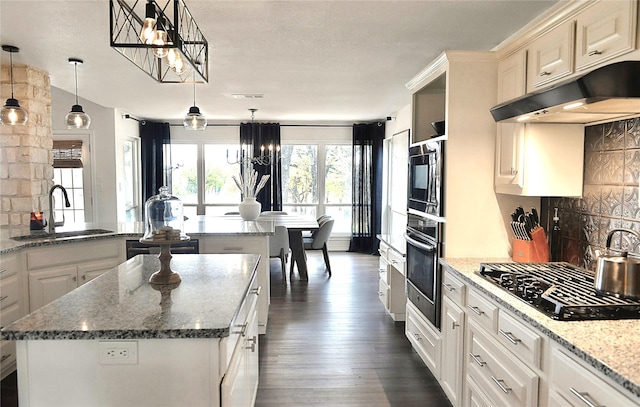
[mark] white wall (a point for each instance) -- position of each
(103, 148)
(125, 129)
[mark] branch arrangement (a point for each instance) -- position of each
(248, 186)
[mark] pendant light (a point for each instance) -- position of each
(11, 113)
(194, 120)
(77, 118)
(148, 31)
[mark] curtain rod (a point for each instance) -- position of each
(126, 116)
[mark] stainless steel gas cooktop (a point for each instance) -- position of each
(560, 290)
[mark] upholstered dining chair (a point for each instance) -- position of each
(279, 248)
(318, 240)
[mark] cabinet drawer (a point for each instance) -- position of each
(383, 293)
(498, 372)
(9, 293)
(453, 288)
(383, 270)
(9, 315)
(425, 340)
(72, 254)
(397, 260)
(519, 339)
(7, 354)
(8, 265)
(482, 311)
(579, 386)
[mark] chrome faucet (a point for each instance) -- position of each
(52, 223)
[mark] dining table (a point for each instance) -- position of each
(296, 224)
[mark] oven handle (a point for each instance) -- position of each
(418, 244)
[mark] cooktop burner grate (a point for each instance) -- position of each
(560, 290)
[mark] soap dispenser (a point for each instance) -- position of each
(556, 238)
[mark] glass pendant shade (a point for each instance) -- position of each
(148, 31)
(194, 120)
(12, 114)
(161, 39)
(77, 118)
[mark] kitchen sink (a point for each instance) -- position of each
(60, 235)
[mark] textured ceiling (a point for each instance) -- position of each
(312, 60)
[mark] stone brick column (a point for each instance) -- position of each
(26, 170)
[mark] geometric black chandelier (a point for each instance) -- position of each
(163, 41)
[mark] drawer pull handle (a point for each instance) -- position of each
(243, 329)
(5, 357)
(253, 342)
(256, 291)
(2, 271)
(510, 337)
(545, 73)
(380, 293)
(500, 384)
(449, 287)
(477, 359)
(232, 249)
(594, 53)
(475, 309)
(418, 338)
(454, 324)
(4, 297)
(584, 397)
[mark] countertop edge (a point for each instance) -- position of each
(599, 365)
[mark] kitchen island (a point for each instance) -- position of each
(119, 340)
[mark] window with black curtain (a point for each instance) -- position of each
(255, 136)
(367, 187)
(153, 138)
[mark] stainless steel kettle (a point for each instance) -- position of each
(618, 275)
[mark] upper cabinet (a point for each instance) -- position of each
(512, 76)
(551, 56)
(604, 31)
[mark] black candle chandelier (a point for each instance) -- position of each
(166, 42)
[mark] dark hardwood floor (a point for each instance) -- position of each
(330, 343)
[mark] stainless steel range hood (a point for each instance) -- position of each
(608, 93)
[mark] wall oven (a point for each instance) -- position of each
(426, 176)
(424, 273)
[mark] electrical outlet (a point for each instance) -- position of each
(118, 353)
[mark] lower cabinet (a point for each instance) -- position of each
(392, 280)
(452, 326)
(424, 338)
(12, 305)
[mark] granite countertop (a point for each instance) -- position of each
(121, 304)
(199, 226)
(611, 347)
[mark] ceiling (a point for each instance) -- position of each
(313, 60)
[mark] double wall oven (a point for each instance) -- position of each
(425, 228)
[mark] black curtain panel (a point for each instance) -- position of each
(153, 137)
(255, 139)
(366, 212)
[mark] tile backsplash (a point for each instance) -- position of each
(610, 195)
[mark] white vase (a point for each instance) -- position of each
(249, 208)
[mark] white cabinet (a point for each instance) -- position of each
(55, 270)
(551, 56)
(392, 280)
(424, 338)
(246, 244)
(452, 345)
(548, 159)
(12, 305)
(604, 31)
(574, 384)
(512, 76)
(240, 382)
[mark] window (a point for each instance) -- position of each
(130, 180)
(201, 177)
(305, 192)
(71, 180)
(72, 170)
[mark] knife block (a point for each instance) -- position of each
(535, 250)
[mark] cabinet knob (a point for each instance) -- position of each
(584, 397)
(514, 171)
(256, 291)
(243, 329)
(253, 341)
(418, 338)
(594, 53)
(74, 278)
(454, 324)
(545, 73)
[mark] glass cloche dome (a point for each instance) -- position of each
(164, 218)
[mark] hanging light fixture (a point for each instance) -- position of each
(166, 44)
(77, 118)
(194, 120)
(11, 113)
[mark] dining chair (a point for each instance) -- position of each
(232, 213)
(279, 248)
(274, 213)
(318, 240)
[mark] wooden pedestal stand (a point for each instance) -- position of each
(165, 275)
